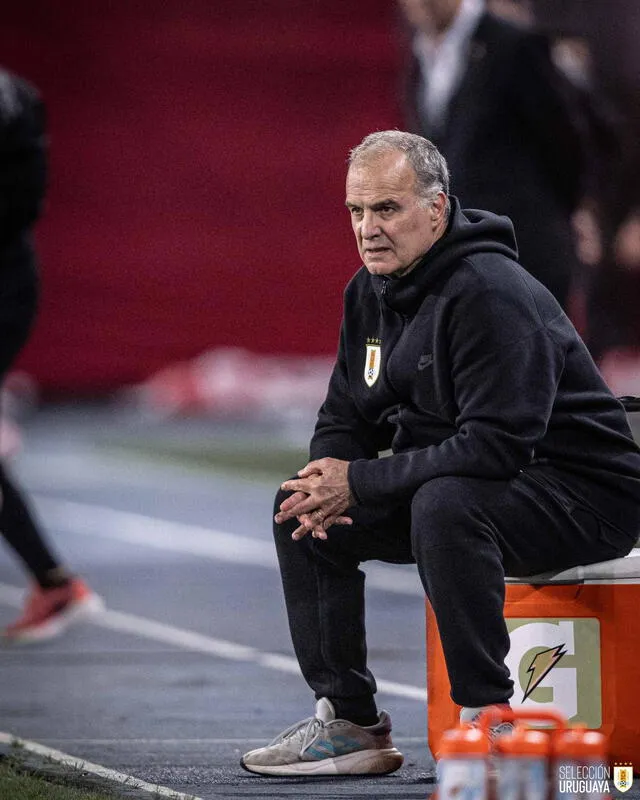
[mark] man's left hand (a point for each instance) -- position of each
(321, 494)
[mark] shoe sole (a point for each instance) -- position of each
(362, 762)
(75, 612)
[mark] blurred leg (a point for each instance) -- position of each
(22, 534)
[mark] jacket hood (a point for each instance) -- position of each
(469, 232)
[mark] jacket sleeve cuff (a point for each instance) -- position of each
(358, 482)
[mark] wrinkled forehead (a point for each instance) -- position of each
(380, 172)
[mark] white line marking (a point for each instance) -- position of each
(190, 640)
(94, 769)
(205, 742)
(132, 528)
(180, 537)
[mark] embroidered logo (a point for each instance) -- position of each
(372, 361)
(425, 361)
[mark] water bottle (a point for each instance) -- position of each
(463, 764)
(521, 761)
(581, 770)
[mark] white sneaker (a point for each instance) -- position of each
(472, 716)
(324, 745)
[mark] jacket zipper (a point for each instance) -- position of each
(383, 292)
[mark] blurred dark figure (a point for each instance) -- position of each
(599, 49)
(613, 321)
(485, 90)
(605, 129)
(57, 597)
(612, 292)
(519, 11)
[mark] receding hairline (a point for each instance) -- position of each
(376, 154)
(426, 161)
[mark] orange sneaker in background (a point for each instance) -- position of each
(49, 612)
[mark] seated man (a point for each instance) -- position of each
(509, 454)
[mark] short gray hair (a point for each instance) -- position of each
(428, 163)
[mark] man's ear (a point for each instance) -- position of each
(437, 209)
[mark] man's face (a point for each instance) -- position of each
(393, 230)
(430, 16)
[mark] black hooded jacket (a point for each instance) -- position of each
(479, 373)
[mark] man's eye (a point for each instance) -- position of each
(355, 212)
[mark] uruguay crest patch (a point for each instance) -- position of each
(372, 361)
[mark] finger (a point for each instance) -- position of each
(292, 500)
(332, 519)
(320, 524)
(315, 523)
(299, 533)
(312, 468)
(304, 506)
(295, 485)
(311, 523)
(308, 524)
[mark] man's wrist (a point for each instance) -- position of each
(352, 489)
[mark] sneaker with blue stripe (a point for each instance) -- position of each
(324, 745)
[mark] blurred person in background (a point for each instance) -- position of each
(519, 11)
(509, 455)
(627, 241)
(605, 134)
(484, 89)
(613, 321)
(57, 597)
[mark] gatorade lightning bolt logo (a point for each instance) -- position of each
(541, 665)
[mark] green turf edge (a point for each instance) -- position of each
(22, 779)
(25, 775)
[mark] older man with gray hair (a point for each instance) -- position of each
(509, 455)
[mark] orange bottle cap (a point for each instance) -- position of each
(522, 742)
(464, 740)
(580, 742)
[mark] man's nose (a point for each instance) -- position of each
(369, 227)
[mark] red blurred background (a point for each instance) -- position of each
(197, 166)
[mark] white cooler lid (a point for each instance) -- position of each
(618, 570)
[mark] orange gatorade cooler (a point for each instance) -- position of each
(574, 641)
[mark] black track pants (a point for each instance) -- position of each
(465, 535)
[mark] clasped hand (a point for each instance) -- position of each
(321, 494)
